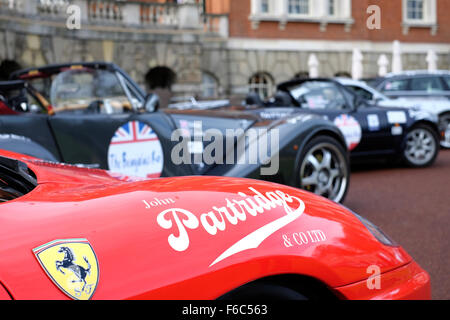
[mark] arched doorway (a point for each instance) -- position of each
(261, 83)
(7, 67)
(160, 80)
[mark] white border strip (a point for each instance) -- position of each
(331, 45)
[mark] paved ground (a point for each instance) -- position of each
(413, 207)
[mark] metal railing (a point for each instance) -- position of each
(122, 13)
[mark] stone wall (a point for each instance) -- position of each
(187, 55)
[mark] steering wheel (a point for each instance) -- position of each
(94, 107)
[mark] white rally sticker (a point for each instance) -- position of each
(397, 131)
(396, 117)
(374, 122)
(351, 130)
(136, 150)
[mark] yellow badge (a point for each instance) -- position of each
(72, 265)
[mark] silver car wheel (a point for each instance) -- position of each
(324, 172)
(420, 146)
(444, 126)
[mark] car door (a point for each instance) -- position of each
(378, 121)
(364, 127)
(381, 129)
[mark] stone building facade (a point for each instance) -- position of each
(232, 47)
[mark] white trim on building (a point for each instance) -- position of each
(325, 45)
(315, 11)
(419, 14)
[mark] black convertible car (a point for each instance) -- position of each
(370, 131)
(94, 114)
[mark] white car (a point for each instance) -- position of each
(440, 108)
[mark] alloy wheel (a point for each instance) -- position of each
(324, 172)
(420, 147)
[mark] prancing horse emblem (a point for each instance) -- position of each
(77, 279)
(67, 263)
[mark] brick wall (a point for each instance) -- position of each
(391, 22)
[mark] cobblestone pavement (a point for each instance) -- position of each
(413, 207)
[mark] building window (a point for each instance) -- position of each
(420, 14)
(429, 84)
(322, 12)
(264, 6)
(415, 9)
(262, 83)
(331, 7)
(420, 11)
(210, 85)
(298, 7)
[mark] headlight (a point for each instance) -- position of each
(375, 231)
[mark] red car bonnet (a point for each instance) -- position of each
(205, 234)
(4, 109)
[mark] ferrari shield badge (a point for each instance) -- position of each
(72, 265)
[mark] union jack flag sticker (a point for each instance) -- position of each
(350, 129)
(135, 150)
(134, 131)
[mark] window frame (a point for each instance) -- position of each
(263, 3)
(429, 14)
(260, 87)
(407, 88)
(433, 78)
(332, 4)
(415, 10)
(299, 14)
(279, 11)
(357, 90)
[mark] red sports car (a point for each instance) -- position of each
(71, 232)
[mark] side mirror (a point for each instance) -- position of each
(358, 101)
(151, 103)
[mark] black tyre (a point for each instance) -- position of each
(263, 292)
(421, 146)
(324, 168)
